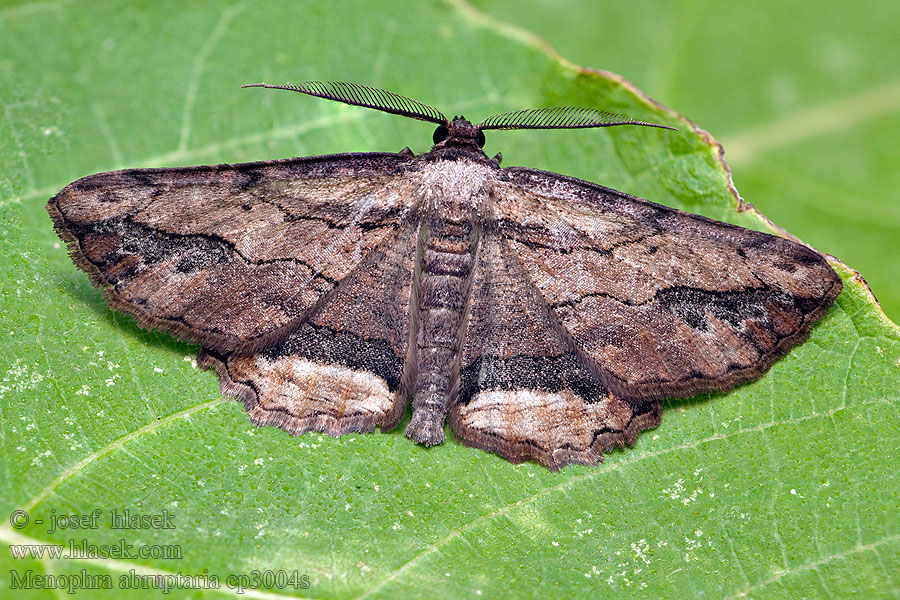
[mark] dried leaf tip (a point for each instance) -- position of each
(363, 95)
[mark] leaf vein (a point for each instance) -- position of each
(112, 446)
(592, 474)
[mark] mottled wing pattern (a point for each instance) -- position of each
(342, 370)
(662, 303)
(232, 257)
(526, 391)
(589, 306)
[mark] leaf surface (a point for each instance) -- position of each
(784, 487)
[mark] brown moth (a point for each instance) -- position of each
(546, 316)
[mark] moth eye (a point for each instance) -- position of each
(479, 139)
(440, 134)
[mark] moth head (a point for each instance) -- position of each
(458, 132)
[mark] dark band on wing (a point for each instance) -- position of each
(324, 345)
(544, 373)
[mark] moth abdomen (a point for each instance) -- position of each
(446, 263)
(444, 284)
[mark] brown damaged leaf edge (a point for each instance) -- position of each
(544, 316)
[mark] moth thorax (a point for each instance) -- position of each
(455, 188)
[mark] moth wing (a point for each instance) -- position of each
(663, 302)
(526, 391)
(231, 257)
(342, 369)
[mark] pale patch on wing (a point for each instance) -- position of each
(553, 428)
(299, 395)
(547, 418)
(301, 387)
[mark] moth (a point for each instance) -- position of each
(544, 316)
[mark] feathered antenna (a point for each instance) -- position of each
(362, 95)
(560, 117)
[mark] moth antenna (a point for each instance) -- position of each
(363, 95)
(560, 117)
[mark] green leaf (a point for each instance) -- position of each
(783, 488)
